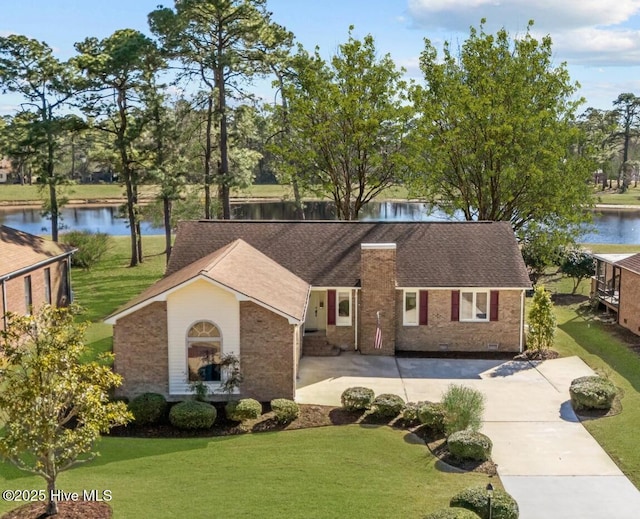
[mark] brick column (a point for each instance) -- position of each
(377, 294)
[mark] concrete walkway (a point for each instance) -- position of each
(546, 459)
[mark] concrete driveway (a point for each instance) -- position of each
(546, 459)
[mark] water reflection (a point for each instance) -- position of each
(610, 227)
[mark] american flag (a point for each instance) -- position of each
(377, 343)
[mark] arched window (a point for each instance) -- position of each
(204, 352)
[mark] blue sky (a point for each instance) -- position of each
(599, 39)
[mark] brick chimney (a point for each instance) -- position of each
(377, 297)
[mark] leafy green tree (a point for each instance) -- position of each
(496, 131)
(53, 406)
(577, 264)
(120, 70)
(350, 122)
(18, 146)
(599, 128)
(542, 321)
(216, 40)
(29, 68)
(541, 250)
(171, 135)
(628, 113)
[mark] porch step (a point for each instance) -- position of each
(318, 346)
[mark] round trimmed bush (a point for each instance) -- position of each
(148, 408)
(410, 411)
(453, 513)
(470, 445)
(357, 398)
(475, 499)
(192, 414)
(433, 415)
(285, 410)
(242, 410)
(387, 405)
(592, 392)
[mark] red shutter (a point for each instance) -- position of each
(424, 307)
(493, 310)
(455, 305)
(331, 307)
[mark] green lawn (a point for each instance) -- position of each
(112, 283)
(351, 471)
(15, 194)
(579, 334)
(612, 196)
(347, 472)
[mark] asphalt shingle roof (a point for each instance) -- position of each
(20, 250)
(631, 263)
(243, 269)
(327, 253)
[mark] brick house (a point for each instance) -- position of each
(616, 286)
(271, 291)
(33, 271)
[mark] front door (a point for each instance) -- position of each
(316, 312)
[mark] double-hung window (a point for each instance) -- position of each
(410, 317)
(474, 306)
(344, 308)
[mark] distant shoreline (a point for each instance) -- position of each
(98, 202)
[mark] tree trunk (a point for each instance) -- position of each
(132, 219)
(299, 210)
(139, 241)
(224, 211)
(207, 159)
(52, 504)
(166, 205)
(53, 202)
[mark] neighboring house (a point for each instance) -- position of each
(33, 271)
(267, 291)
(5, 170)
(616, 286)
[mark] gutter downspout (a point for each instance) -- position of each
(355, 332)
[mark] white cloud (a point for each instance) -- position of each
(599, 47)
(549, 15)
(584, 32)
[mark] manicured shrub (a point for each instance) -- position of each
(463, 407)
(470, 445)
(192, 414)
(91, 247)
(503, 506)
(433, 415)
(387, 405)
(148, 408)
(410, 411)
(245, 409)
(357, 398)
(592, 392)
(453, 513)
(285, 410)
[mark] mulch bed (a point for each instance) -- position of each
(66, 510)
(537, 355)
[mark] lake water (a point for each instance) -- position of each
(617, 227)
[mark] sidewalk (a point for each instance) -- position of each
(546, 459)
